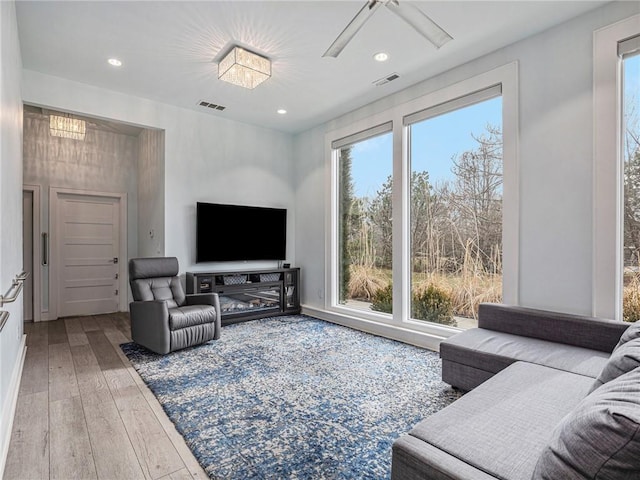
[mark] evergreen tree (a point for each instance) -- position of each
(345, 226)
(379, 213)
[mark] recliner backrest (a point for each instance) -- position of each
(156, 279)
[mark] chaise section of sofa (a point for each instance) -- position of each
(552, 396)
(498, 430)
(507, 334)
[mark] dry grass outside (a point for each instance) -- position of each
(631, 299)
(467, 292)
(365, 281)
(467, 289)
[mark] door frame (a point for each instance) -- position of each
(36, 260)
(54, 250)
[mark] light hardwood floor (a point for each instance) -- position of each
(83, 411)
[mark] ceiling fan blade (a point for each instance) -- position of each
(350, 30)
(420, 22)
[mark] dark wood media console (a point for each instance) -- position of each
(250, 294)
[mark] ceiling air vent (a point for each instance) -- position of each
(387, 79)
(212, 106)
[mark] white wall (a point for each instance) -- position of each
(150, 193)
(11, 337)
(555, 163)
(207, 158)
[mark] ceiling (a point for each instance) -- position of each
(169, 49)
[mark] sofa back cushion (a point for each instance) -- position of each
(577, 330)
(629, 334)
(600, 438)
(624, 358)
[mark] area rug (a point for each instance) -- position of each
(294, 398)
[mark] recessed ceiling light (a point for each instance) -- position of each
(115, 62)
(381, 57)
(282, 111)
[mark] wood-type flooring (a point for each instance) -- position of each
(84, 413)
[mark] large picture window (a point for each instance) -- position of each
(631, 181)
(456, 209)
(364, 253)
(423, 214)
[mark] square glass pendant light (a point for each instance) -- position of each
(67, 127)
(244, 68)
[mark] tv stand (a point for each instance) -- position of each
(250, 294)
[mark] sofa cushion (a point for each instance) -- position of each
(502, 426)
(624, 358)
(492, 351)
(565, 328)
(600, 438)
(414, 459)
(629, 334)
(191, 315)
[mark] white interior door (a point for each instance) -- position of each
(27, 253)
(88, 254)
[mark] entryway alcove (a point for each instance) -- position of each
(114, 162)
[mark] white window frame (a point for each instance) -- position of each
(608, 167)
(450, 106)
(399, 325)
(332, 287)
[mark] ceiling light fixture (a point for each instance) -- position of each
(282, 111)
(244, 68)
(66, 127)
(115, 62)
(381, 57)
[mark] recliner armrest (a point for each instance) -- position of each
(150, 325)
(578, 330)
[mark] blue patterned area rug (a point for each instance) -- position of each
(294, 398)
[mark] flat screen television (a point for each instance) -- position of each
(238, 232)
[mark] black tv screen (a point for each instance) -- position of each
(237, 232)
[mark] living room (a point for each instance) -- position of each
(559, 215)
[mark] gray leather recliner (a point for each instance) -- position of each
(163, 318)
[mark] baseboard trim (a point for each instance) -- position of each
(12, 399)
(394, 332)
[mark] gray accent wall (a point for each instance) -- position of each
(150, 193)
(555, 160)
(104, 162)
(11, 346)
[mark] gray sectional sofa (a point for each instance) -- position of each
(551, 396)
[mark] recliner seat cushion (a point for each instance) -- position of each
(502, 426)
(492, 351)
(190, 315)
